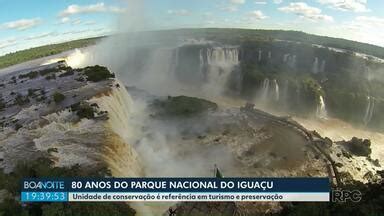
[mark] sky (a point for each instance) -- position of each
(25, 23)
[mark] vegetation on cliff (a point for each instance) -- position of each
(97, 73)
(181, 106)
(58, 97)
(83, 110)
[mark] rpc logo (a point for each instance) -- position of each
(346, 195)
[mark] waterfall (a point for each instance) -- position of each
(369, 74)
(259, 58)
(119, 153)
(292, 61)
(220, 63)
(322, 67)
(222, 57)
(265, 90)
(276, 91)
(369, 110)
(99, 142)
(321, 111)
(201, 60)
(176, 60)
(315, 66)
(269, 55)
(285, 57)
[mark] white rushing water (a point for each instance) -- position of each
(321, 111)
(74, 59)
(87, 142)
(222, 56)
(276, 90)
(265, 90)
(291, 60)
(369, 110)
(269, 91)
(119, 152)
(220, 63)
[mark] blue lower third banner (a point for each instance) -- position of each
(176, 190)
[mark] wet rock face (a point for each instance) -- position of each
(358, 147)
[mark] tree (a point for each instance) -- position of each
(58, 97)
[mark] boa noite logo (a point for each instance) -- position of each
(41, 185)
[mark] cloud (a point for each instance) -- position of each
(64, 20)
(346, 5)
(75, 31)
(76, 22)
(237, 1)
(93, 8)
(303, 10)
(22, 24)
(256, 15)
(371, 21)
(7, 43)
(361, 28)
(231, 5)
(39, 36)
(82, 31)
(260, 2)
(89, 23)
(368, 29)
(277, 1)
(181, 12)
(229, 8)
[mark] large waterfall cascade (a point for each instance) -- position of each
(99, 141)
(259, 57)
(120, 154)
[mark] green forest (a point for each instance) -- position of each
(43, 51)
